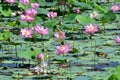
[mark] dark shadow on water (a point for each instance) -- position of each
(37, 39)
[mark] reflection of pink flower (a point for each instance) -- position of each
(27, 18)
(91, 29)
(77, 10)
(94, 14)
(52, 15)
(31, 12)
(40, 56)
(60, 35)
(34, 5)
(10, 1)
(62, 49)
(115, 8)
(41, 30)
(24, 2)
(117, 39)
(27, 33)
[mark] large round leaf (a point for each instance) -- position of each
(84, 20)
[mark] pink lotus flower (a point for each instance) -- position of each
(27, 33)
(91, 29)
(77, 10)
(41, 30)
(40, 56)
(27, 18)
(115, 8)
(117, 39)
(31, 12)
(60, 35)
(52, 15)
(94, 14)
(10, 1)
(24, 2)
(34, 5)
(29, 15)
(62, 49)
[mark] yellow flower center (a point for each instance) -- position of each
(28, 17)
(91, 28)
(63, 48)
(94, 14)
(26, 32)
(41, 28)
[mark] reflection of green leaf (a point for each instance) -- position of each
(85, 20)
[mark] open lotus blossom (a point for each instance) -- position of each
(40, 57)
(34, 5)
(77, 10)
(60, 34)
(27, 18)
(117, 39)
(27, 33)
(24, 2)
(52, 15)
(62, 49)
(31, 12)
(94, 14)
(91, 29)
(115, 8)
(10, 1)
(41, 30)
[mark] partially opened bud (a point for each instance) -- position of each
(60, 22)
(40, 57)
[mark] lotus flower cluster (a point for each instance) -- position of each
(115, 8)
(26, 33)
(91, 29)
(10, 1)
(63, 49)
(117, 39)
(60, 34)
(24, 2)
(52, 15)
(29, 14)
(94, 14)
(77, 10)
